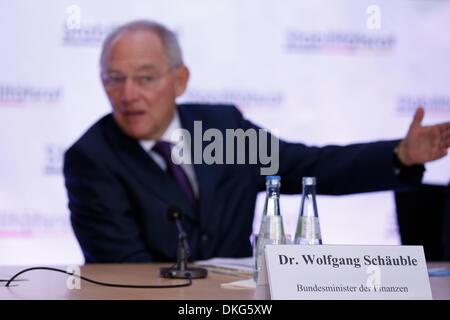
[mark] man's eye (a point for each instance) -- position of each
(146, 79)
(116, 80)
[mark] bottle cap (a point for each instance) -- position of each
(273, 178)
(309, 180)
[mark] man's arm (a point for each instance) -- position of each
(354, 168)
(101, 214)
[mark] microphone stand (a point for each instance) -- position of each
(181, 270)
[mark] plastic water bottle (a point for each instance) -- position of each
(308, 226)
(271, 230)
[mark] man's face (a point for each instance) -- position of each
(140, 84)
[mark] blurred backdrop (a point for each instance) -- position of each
(320, 72)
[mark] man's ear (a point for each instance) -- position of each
(181, 80)
(102, 78)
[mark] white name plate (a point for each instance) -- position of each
(300, 272)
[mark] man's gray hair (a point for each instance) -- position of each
(168, 38)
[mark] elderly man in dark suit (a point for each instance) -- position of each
(122, 174)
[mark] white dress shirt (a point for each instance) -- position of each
(161, 162)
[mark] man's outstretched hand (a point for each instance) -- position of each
(424, 143)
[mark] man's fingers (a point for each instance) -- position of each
(445, 128)
(418, 117)
(445, 135)
(443, 153)
(445, 143)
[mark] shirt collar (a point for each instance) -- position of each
(175, 124)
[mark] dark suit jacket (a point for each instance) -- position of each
(118, 195)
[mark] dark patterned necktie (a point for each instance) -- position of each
(163, 149)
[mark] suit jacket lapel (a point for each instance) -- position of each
(142, 166)
(207, 175)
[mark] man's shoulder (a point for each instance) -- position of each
(205, 111)
(94, 136)
(207, 108)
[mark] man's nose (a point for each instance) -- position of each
(129, 91)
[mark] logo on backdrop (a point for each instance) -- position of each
(12, 95)
(53, 160)
(336, 42)
(86, 34)
(27, 223)
(243, 99)
(78, 30)
(433, 105)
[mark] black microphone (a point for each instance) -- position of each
(174, 214)
(180, 270)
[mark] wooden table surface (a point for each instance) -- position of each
(42, 284)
